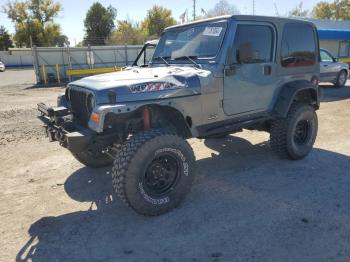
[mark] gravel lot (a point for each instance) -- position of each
(246, 204)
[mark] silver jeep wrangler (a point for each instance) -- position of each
(206, 79)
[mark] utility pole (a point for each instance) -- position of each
(194, 10)
(253, 7)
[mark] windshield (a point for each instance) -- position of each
(200, 41)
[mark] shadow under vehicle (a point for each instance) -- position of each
(256, 207)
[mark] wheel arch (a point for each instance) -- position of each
(165, 116)
(150, 116)
(300, 90)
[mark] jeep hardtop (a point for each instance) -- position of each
(206, 79)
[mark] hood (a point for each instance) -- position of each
(136, 84)
(137, 75)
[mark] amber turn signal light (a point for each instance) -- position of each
(95, 118)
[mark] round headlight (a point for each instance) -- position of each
(91, 103)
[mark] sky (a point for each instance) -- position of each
(72, 17)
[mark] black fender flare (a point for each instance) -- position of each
(289, 92)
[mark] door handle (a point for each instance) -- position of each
(267, 70)
(325, 65)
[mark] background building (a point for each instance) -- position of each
(335, 37)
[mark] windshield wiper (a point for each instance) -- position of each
(163, 58)
(189, 58)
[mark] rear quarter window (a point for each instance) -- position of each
(298, 45)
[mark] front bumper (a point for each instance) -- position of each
(59, 126)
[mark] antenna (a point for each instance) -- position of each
(276, 9)
(301, 6)
(184, 16)
(253, 7)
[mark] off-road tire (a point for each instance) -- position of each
(284, 134)
(340, 79)
(132, 164)
(94, 160)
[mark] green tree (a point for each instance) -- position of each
(223, 8)
(298, 11)
(323, 10)
(341, 9)
(62, 40)
(127, 33)
(336, 10)
(99, 24)
(5, 39)
(34, 20)
(157, 19)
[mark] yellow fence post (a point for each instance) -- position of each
(44, 74)
(58, 73)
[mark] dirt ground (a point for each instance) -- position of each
(246, 204)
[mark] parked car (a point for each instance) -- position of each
(206, 79)
(331, 70)
(2, 67)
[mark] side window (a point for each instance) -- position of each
(344, 49)
(325, 57)
(149, 53)
(298, 45)
(253, 44)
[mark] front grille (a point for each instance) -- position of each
(77, 100)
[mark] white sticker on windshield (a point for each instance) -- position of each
(212, 31)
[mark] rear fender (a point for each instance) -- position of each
(293, 91)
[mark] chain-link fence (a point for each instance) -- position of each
(63, 64)
(16, 59)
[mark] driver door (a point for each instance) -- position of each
(249, 81)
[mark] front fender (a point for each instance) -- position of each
(130, 107)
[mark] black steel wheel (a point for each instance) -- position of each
(153, 171)
(302, 132)
(294, 136)
(162, 175)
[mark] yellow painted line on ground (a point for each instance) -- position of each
(72, 72)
